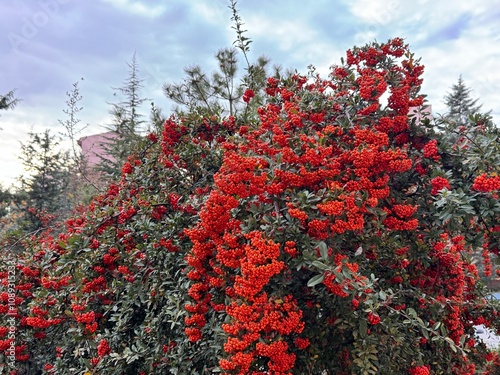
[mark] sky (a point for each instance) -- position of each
(48, 45)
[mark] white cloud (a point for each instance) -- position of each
(376, 11)
(139, 7)
(287, 34)
(213, 12)
(15, 125)
(446, 61)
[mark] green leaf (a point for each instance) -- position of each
(411, 312)
(320, 265)
(452, 344)
(323, 250)
(382, 295)
(315, 280)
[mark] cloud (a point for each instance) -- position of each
(375, 11)
(141, 8)
(214, 12)
(285, 34)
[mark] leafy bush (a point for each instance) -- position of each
(331, 234)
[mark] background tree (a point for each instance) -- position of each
(127, 123)
(8, 101)
(81, 184)
(42, 199)
(223, 91)
(44, 185)
(5, 198)
(468, 134)
(71, 124)
(9, 215)
(460, 104)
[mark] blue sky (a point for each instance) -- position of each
(47, 45)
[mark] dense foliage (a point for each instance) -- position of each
(326, 234)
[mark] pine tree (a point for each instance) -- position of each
(127, 123)
(5, 200)
(44, 186)
(8, 101)
(460, 104)
(222, 92)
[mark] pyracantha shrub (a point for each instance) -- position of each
(326, 228)
(333, 234)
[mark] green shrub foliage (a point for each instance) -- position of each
(327, 233)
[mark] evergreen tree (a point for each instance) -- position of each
(460, 104)
(127, 123)
(223, 91)
(8, 101)
(5, 200)
(48, 173)
(462, 126)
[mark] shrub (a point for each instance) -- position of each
(332, 234)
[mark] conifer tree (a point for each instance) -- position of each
(44, 186)
(463, 125)
(5, 199)
(460, 104)
(223, 91)
(127, 122)
(8, 101)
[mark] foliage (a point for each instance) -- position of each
(460, 105)
(224, 92)
(199, 91)
(127, 124)
(81, 185)
(326, 234)
(8, 101)
(478, 146)
(44, 184)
